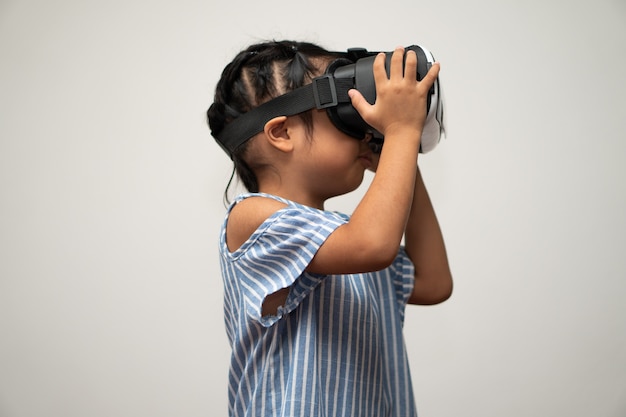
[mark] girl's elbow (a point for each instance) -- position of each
(379, 257)
(444, 292)
(433, 291)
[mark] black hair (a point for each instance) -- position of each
(258, 74)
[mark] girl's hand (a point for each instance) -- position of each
(400, 106)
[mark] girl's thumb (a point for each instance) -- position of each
(357, 99)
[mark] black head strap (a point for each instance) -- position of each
(324, 91)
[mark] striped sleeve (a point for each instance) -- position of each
(403, 272)
(278, 254)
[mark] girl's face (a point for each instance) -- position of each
(334, 162)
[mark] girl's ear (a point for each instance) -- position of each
(277, 134)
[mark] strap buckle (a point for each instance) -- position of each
(324, 91)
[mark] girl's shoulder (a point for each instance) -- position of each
(254, 212)
(247, 213)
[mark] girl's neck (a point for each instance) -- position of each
(297, 195)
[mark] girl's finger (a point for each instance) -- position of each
(379, 69)
(431, 76)
(396, 69)
(410, 66)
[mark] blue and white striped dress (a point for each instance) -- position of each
(335, 348)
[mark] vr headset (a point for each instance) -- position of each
(353, 69)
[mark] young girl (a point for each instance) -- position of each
(314, 300)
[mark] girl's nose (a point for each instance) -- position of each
(374, 144)
(364, 143)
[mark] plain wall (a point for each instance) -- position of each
(111, 201)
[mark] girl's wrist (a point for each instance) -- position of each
(404, 135)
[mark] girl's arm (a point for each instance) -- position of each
(371, 239)
(425, 246)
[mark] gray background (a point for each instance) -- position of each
(111, 201)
